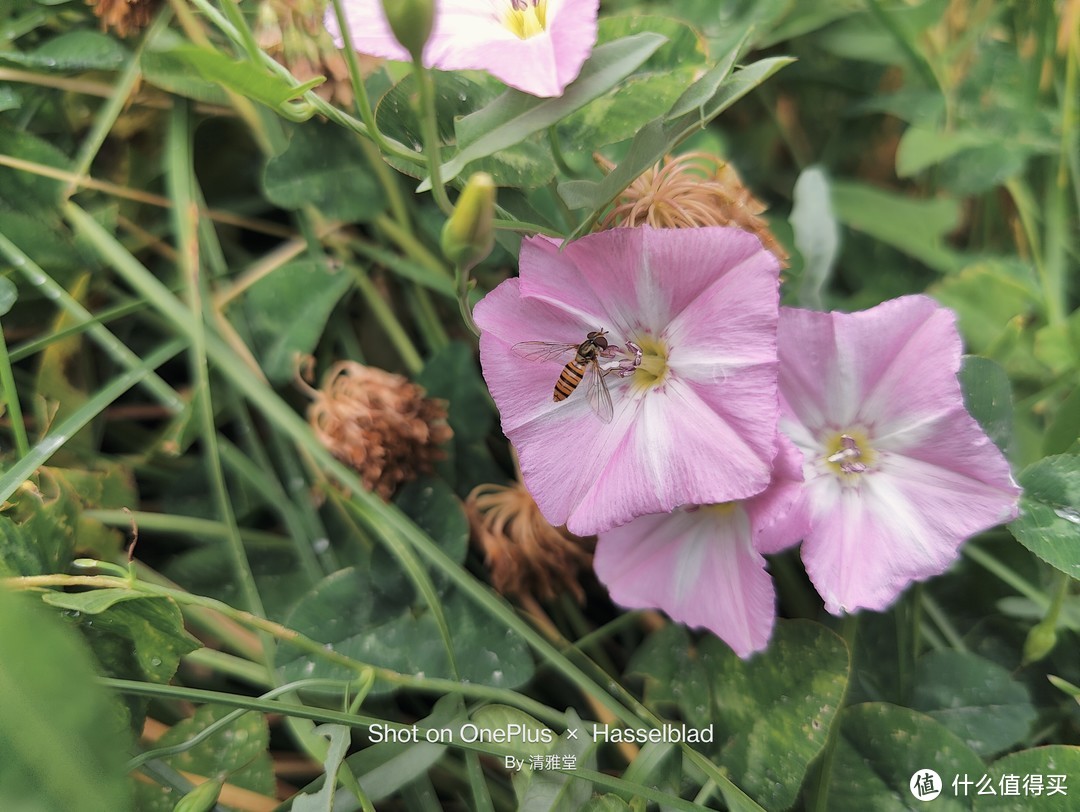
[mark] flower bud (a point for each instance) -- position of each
(411, 22)
(469, 234)
(1040, 641)
(201, 799)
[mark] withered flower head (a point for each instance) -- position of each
(693, 190)
(124, 17)
(293, 33)
(379, 423)
(526, 556)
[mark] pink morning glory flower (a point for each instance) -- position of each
(537, 46)
(897, 473)
(689, 324)
(703, 565)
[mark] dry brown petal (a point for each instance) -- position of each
(526, 556)
(693, 190)
(124, 17)
(378, 423)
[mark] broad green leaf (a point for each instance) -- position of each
(881, 747)
(976, 699)
(287, 312)
(817, 234)
(434, 508)
(527, 164)
(1064, 431)
(1023, 781)
(372, 621)
(988, 396)
(515, 115)
(62, 740)
(237, 752)
(921, 148)
(324, 166)
(1049, 521)
(151, 628)
(648, 93)
(162, 67)
(246, 78)
(805, 16)
(37, 529)
(323, 800)
(773, 712)
(81, 49)
(8, 294)
(661, 135)
(699, 94)
(673, 673)
(452, 375)
(93, 602)
(606, 803)
(550, 791)
(986, 296)
(9, 99)
(915, 227)
(24, 191)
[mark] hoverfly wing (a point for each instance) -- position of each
(542, 350)
(596, 390)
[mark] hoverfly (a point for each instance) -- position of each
(584, 364)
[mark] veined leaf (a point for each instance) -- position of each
(514, 116)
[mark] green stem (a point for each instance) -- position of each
(388, 320)
(230, 665)
(1006, 574)
(464, 286)
(942, 621)
(185, 217)
(430, 126)
(849, 629)
(522, 227)
(11, 399)
(190, 526)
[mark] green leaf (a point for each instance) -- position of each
(452, 375)
(8, 294)
(774, 711)
(514, 116)
(246, 78)
(237, 752)
(324, 166)
(988, 396)
(162, 67)
(9, 99)
(1064, 431)
(915, 227)
(24, 191)
(527, 164)
(701, 93)
(606, 803)
(287, 312)
(1058, 760)
(62, 742)
(434, 508)
(673, 672)
(660, 136)
(986, 296)
(817, 234)
(93, 602)
(371, 620)
(976, 699)
(881, 746)
(921, 148)
(1049, 521)
(37, 530)
(323, 800)
(551, 791)
(151, 628)
(81, 49)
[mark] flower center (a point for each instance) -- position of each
(653, 369)
(848, 453)
(526, 18)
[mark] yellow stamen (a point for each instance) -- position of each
(848, 453)
(528, 21)
(654, 367)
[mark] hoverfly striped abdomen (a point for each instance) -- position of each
(568, 381)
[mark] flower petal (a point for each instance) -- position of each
(700, 567)
(774, 513)
(676, 451)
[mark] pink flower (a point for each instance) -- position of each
(897, 473)
(537, 46)
(690, 317)
(703, 565)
